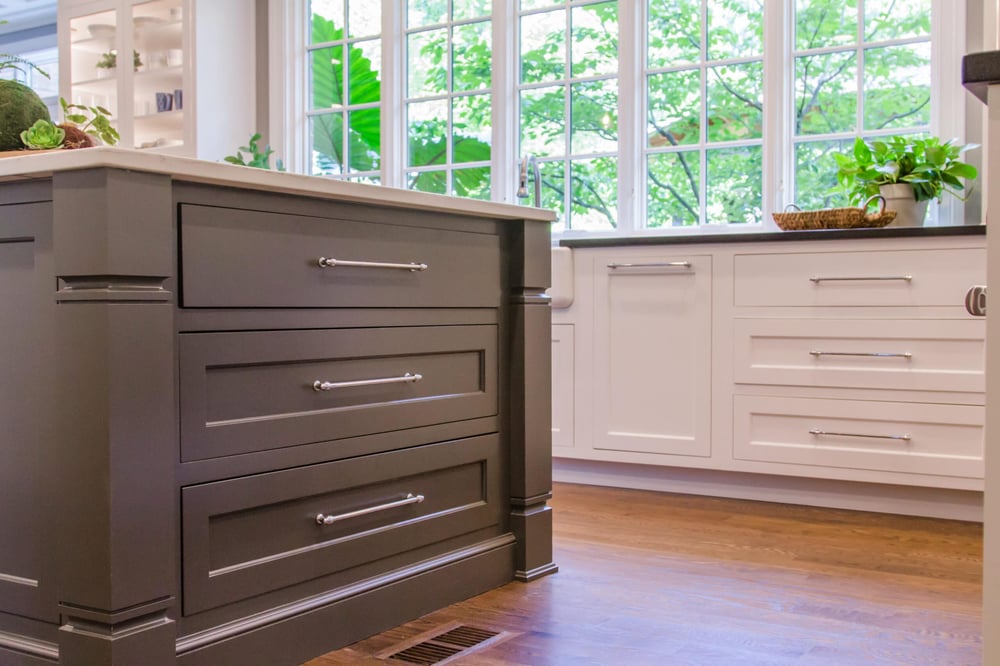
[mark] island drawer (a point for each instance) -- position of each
(913, 438)
(249, 259)
(929, 355)
(877, 278)
(242, 392)
(247, 536)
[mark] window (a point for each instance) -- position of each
(641, 114)
(448, 97)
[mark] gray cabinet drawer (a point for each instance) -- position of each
(247, 536)
(253, 391)
(242, 258)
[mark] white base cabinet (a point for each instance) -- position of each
(849, 361)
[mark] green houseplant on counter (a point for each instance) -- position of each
(908, 171)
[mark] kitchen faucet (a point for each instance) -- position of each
(522, 187)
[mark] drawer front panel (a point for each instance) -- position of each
(240, 258)
(932, 355)
(944, 440)
(254, 391)
(936, 278)
(252, 535)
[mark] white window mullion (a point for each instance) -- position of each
(288, 131)
(393, 143)
(779, 101)
(504, 162)
(631, 102)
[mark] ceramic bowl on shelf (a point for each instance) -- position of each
(143, 22)
(101, 31)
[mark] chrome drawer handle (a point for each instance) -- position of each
(904, 438)
(663, 264)
(322, 519)
(324, 262)
(815, 352)
(329, 386)
(906, 278)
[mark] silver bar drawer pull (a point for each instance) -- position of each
(904, 438)
(815, 352)
(323, 519)
(325, 262)
(905, 278)
(330, 386)
(660, 264)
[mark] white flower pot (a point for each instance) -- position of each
(899, 197)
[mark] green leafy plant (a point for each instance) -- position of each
(43, 135)
(260, 159)
(91, 120)
(109, 60)
(930, 166)
(10, 61)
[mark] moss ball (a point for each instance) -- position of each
(20, 107)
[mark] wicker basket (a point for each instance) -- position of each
(835, 218)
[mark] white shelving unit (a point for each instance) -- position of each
(155, 104)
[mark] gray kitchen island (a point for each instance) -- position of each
(250, 417)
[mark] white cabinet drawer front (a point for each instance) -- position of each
(943, 440)
(883, 278)
(930, 355)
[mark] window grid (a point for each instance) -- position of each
(428, 176)
(337, 116)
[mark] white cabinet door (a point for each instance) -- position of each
(652, 353)
(563, 381)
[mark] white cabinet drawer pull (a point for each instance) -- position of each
(815, 431)
(329, 386)
(905, 278)
(322, 519)
(815, 352)
(325, 262)
(661, 264)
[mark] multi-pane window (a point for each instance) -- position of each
(641, 114)
(345, 54)
(448, 99)
(568, 83)
(879, 47)
(704, 115)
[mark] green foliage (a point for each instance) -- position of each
(109, 60)
(43, 135)
(94, 120)
(930, 166)
(259, 159)
(10, 61)
(20, 107)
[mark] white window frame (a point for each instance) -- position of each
(289, 129)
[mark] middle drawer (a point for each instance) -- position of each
(254, 391)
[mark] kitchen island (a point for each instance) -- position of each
(250, 417)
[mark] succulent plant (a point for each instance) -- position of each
(43, 135)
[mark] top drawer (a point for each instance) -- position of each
(877, 278)
(243, 258)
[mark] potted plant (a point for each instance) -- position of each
(107, 63)
(908, 171)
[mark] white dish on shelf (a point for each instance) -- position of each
(142, 22)
(101, 31)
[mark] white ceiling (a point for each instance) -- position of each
(21, 14)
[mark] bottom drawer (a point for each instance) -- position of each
(243, 537)
(914, 438)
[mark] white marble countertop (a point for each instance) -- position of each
(43, 164)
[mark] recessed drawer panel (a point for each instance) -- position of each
(253, 391)
(929, 355)
(241, 258)
(914, 438)
(251, 535)
(882, 278)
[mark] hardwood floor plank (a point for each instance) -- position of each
(654, 578)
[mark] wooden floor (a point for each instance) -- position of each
(653, 578)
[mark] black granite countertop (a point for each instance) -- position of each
(979, 71)
(768, 236)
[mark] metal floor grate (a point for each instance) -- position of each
(451, 641)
